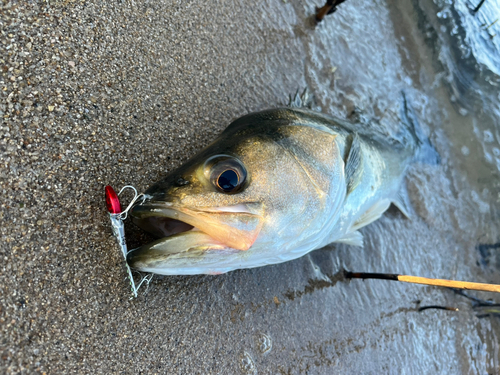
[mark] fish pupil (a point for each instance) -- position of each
(228, 180)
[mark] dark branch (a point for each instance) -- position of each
(328, 8)
(479, 6)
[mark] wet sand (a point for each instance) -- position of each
(122, 92)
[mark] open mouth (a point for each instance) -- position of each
(161, 227)
(185, 230)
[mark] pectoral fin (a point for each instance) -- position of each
(353, 163)
(402, 201)
(372, 214)
(352, 238)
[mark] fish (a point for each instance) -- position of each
(275, 185)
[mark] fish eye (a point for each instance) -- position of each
(228, 175)
(228, 180)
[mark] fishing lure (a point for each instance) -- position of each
(117, 217)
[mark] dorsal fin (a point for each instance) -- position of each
(300, 100)
(353, 162)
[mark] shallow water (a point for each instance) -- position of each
(364, 56)
(139, 87)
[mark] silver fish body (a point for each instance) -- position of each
(272, 187)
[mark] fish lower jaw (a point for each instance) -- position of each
(191, 244)
(214, 259)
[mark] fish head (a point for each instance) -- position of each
(236, 204)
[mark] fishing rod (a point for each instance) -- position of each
(424, 281)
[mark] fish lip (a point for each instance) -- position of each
(157, 254)
(171, 211)
(151, 209)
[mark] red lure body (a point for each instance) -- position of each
(112, 201)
